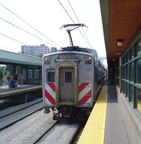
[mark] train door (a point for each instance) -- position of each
(66, 84)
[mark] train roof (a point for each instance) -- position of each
(80, 49)
(73, 49)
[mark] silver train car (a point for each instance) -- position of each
(72, 78)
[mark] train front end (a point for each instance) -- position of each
(68, 79)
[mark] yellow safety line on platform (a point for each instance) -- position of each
(93, 132)
(18, 90)
(139, 105)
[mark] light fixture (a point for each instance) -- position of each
(118, 53)
(120, 42)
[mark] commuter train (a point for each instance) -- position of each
(72, 78)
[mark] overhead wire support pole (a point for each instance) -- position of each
(70, 37)
(71, 27)
(86, 39)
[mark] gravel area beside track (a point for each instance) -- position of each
(5, 121)
(12, 109)
(27, 130)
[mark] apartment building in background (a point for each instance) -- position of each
(35, 50)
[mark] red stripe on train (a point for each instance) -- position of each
(49, 97)
(85, 98)
(52, 86)
(82, 86)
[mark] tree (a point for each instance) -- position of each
(5, 72)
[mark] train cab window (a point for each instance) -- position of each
(68, 77)
(50, 75)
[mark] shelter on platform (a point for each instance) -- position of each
(29, 66)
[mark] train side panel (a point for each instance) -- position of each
(86, 81)
(48, 79)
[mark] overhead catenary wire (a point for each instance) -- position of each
(23, 30)
(8, 48)
(66, 11)
(74, 22)
(13, 39)
(28, 24)
(79, 22)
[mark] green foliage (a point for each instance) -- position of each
(5, 73)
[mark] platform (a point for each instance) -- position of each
(6, 92)
(105, 124)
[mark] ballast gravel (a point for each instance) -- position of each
(27, 130)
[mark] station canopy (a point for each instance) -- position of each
(7, 57)
(121, 23)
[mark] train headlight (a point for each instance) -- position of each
(46, 58)
(89, 58)
(47, 61)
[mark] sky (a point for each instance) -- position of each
(36, 22)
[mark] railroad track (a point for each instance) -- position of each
(59, 133)
(47, 131)
(28, 124)
(39, 128)
(16, 113)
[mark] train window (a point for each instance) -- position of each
(68, 77)
(50, 75)
(88, 61)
